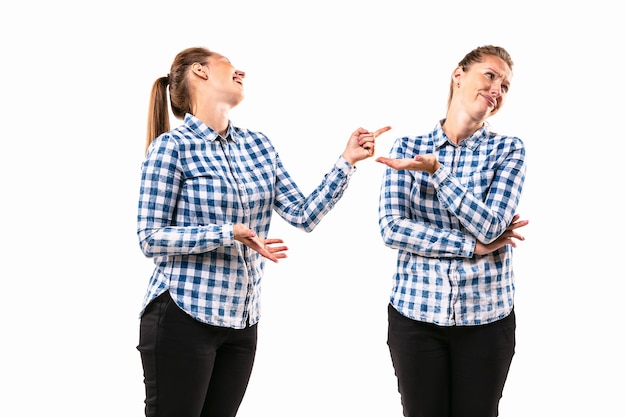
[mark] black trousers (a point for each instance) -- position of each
(456, 371)
(192, 369)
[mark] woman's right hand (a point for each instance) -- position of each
(263, 247)
(506, 238)
(426, 163)
(362, 144)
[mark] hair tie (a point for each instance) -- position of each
(167, 79)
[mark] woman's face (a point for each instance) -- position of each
(224, 78)
(483, 86)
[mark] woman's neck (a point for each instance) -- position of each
(459, 128)
(216, 118)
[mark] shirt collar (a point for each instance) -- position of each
(205, 132)
(472, 142)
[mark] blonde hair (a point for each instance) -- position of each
(180, 100)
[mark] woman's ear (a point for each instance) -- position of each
(456, 76)
(200, 70)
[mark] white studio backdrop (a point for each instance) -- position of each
(76, 81)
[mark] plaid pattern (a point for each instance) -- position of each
(434, 222)
(195, 186)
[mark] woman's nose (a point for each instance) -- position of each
(496, 89)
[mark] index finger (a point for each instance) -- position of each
(517, 224)
(381, 131)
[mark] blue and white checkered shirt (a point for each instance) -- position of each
(195, 186)
(434, 223)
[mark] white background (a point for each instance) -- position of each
(76, 78)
